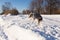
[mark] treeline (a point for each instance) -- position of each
(8, 8)
(39, 6)
(45, 6)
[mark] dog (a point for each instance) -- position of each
(36, 16)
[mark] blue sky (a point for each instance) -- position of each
(19, 4)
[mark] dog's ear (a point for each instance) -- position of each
(30, 15)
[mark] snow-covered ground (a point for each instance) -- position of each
(21, 27)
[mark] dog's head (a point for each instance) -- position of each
(30, 15)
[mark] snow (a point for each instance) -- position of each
(21, 27)
(21, 34)
(11, 29)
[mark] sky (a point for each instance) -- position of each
(19, 4)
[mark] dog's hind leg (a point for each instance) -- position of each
(39, 24)
(38, 21)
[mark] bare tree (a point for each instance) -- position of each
(32, 5)
(36, 5)
(6, 6)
